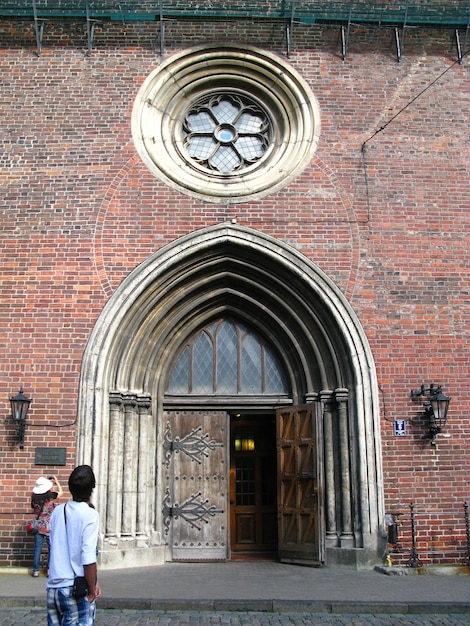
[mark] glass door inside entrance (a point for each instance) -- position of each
(253, 500)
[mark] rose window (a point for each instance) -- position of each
(226, 133)
(227, 125)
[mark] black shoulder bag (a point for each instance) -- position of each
(80, 585)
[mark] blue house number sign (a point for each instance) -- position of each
(400, 428)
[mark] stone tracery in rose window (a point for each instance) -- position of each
(226, 133)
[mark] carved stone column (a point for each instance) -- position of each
(328, 403)
(129, 459)
(346, 536)
(143, 403)
(113, 517)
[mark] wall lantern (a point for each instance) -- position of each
(436, 405)
(19, 411)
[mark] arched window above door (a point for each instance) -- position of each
(227, 358)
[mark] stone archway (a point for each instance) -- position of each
(227, 269)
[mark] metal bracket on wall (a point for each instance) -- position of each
(39, 28)
(345, 34)
(461, 48)
(162, 30)
(290, 30)
(90, 28)
(39, 23)
(399, 44)
(399, 36)
(397, 16)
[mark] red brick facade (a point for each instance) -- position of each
(383, 209)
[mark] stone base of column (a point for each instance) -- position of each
(122, 556)
(353, 558)
(346, 540)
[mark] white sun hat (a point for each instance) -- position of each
(43, 485)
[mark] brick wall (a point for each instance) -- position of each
(388, 223)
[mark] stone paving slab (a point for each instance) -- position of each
(115, 617)
(258, 586)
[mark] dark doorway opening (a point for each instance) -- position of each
(253, 487)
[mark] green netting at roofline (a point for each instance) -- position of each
(425, 13)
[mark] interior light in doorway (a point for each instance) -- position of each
(244, 440)
(244, 445)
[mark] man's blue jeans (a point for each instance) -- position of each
(38, 543)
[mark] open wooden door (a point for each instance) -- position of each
(196, 485)
(300, 485)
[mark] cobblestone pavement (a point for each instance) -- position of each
(128, 617)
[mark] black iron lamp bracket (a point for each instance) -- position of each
(435, 406)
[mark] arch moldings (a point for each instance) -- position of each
(219, 270)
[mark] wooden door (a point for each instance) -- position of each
(253, 498)
(196, 485)
(300, 485)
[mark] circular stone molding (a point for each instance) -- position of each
(225, 125)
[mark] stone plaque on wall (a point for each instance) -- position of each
(51, 456)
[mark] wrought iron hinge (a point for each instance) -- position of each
(193, 444)
(192, 511)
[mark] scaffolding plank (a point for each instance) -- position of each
(306, 11)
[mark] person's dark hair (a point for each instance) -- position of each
(41, 497)
(81, 483)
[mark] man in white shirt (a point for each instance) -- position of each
(74, 531)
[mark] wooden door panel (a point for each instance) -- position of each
(288, 493)
(197, 484)
(290, 535)
(301, 530)
(307, 461)
(306, 493)
(308, 530)
(305, 428)
(246, 529)
(288, 460)
(300, 485)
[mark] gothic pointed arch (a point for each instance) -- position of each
(233, 271)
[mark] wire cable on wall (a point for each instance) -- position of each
(379, 130)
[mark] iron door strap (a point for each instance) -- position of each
(194, 445)
(192, 511)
